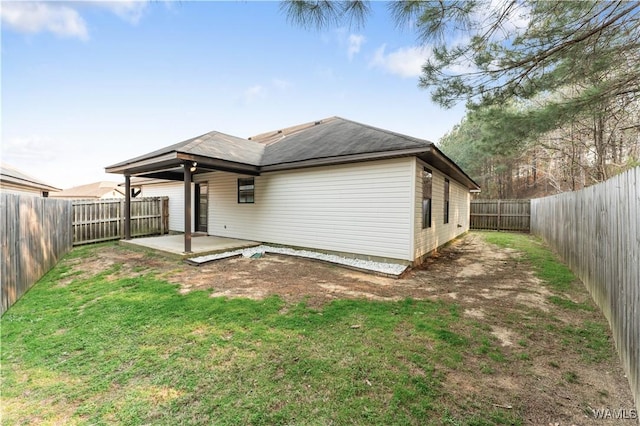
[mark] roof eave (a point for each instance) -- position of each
(26, 183)
(430, 153)
(176, 159)
(344, 159)
(143, 165)
(438, 159)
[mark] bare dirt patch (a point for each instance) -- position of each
(536, 370)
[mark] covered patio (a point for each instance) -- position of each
(212, 151)
(200, 244)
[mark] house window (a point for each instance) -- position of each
(446, 201)
(246, 190)
(427, 177)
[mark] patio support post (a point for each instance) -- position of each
(187, 207)
(127, 207)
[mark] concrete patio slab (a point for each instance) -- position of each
(200, 244)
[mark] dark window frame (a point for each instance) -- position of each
(427, 197)
(246, 190)
(199, 225)
(446, 200)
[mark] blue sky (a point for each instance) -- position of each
(89, 84)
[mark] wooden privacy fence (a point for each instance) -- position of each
(596, 231)
(103, 220)
(35, 233)
(500, 215)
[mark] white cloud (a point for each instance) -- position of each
(345, 40)
(32, 148)
(129, 10)
(407, 62)
(463, 66)
(61, 19)
(35, 17)
(515, 20)
(355, 42)
(254, 93)
(404, 62)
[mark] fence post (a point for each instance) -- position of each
(123, 223)
(165, 219)
(498, 224)
(161, 216)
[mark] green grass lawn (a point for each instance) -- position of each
(107, 349)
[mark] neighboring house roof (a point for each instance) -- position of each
(11, 175)
(137, 182)
(90, 190)
(333, 140)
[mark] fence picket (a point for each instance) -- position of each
(596, 231)
(103, 220)
(35, 234)
(500, 215)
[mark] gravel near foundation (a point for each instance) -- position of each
(394, 269)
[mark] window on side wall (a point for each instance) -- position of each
(427, 178)
(246, 190)
(446, 201)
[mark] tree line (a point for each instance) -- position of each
(551, 88)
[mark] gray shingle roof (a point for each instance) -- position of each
(327, 138)
(332, 137)
(328, 141)
(213, 144)
(12, 175)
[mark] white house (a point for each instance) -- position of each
(332, 185)
(14, 181)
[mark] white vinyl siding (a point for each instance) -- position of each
(362, 208)
(429, 239)
(175, 192)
